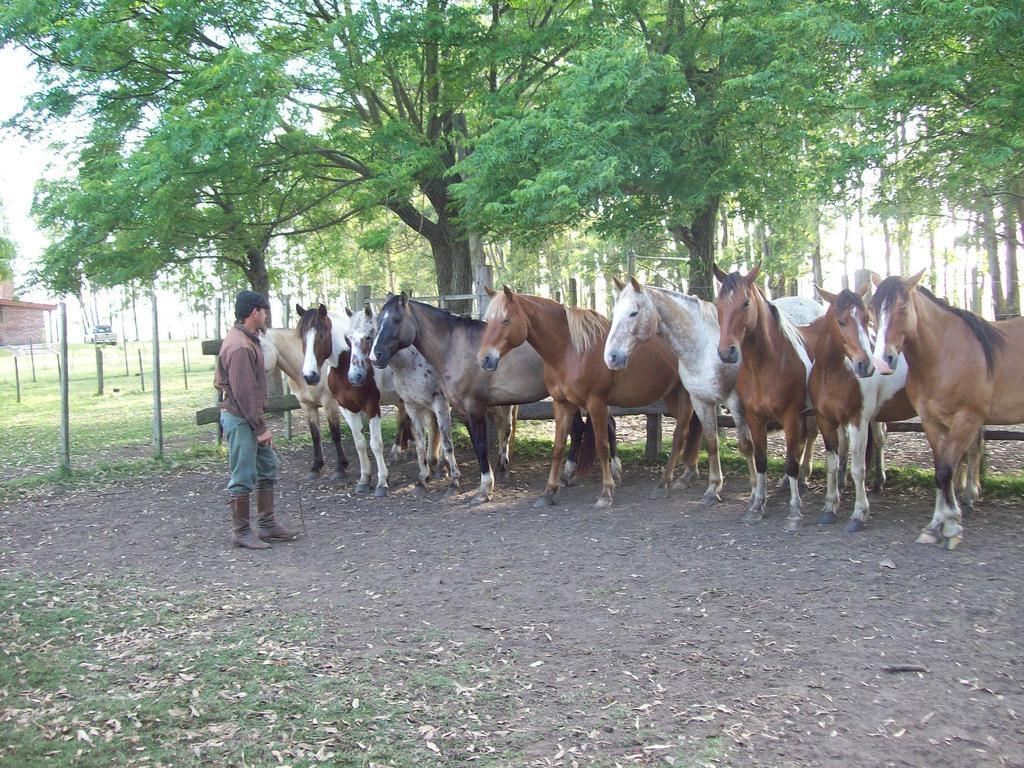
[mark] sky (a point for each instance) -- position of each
(21, 164)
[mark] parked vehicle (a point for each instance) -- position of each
(101, 334)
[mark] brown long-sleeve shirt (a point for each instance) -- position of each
(241, 377)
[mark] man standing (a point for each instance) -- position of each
(251, 457)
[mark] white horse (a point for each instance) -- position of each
(690, 326)
(323, 340)
(418, 385)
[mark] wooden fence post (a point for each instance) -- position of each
(142, 375)
(184, 367)
(362, 296)
(158, 423)
(17, 381)
(573, 293)
(216, 392)
(483, 276)
(99, 370)
(65, 420)
(32, 358)
(630, 264)
(652, 449)
(124, 347)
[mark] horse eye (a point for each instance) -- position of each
(634, 313)
(506, 321)
(842, 323)
(746, 303)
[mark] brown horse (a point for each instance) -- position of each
(964, 372)
(571, 344)
(848, 394)
(772, 380)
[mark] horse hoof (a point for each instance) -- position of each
(794, 524)
(827, 517)
(313, 475)
(362, 488)
(967, 510)
(543, 502)
(419, 491)
(927, 537)
(709, 499)
(569, 482)
(452, 490)
(382, 490)
(338, 476)
(952, 542)
(753, 516)
(659, 493)
(481, 498)
(603, 503)
(854, 526)
(438, 474)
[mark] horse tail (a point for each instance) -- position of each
(692, 445)
(404, 434)
(588, 448)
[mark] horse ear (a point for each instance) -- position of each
(637, 285)
(403, 299)
(829, 297)
(348, 311)
(910, 282)
(619, 285)
(367, 311)
(864, 290)
(508, 292)
(719, 273)
(299, 311)
(322, 310)
(752, 274)
(876, 278)
(491, 293)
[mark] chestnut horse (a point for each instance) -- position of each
(848, 394)
(571, 344)
(964, 372)
(772, 380)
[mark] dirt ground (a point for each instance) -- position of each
(633, 635)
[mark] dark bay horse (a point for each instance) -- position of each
(449, 344)
(571, 344)
(848, 394)
(964, 372)
(772, 380)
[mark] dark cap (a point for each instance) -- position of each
(247, 301)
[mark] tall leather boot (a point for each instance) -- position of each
(270, 528)
(244, 536)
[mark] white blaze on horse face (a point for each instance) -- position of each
(309, 366)
(381, 320)
(862, 334)
(883, 327)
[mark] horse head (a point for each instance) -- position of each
(322, 337)
(849, 319)
(634, 320)
(506, 328)
(896, 318)
(396, 329)
(361, 330)
(738, 303)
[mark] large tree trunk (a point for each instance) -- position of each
(699, 239)
(816, 255)
(1010, 238)
(454, 268)
(888, 245)
(988, 232)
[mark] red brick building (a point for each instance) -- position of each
(21, 321)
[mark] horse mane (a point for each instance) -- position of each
(585, 327)
(731, 283)
(306, 321)
(991, 338)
